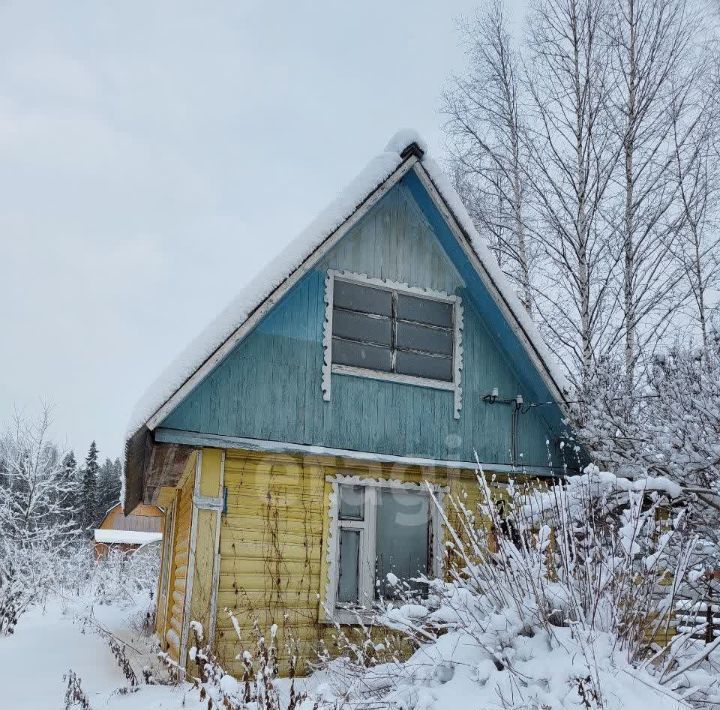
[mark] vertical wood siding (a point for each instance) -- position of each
(269, 387)
(205, 555)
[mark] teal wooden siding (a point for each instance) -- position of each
(269, 387)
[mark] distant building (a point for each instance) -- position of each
(128, 532)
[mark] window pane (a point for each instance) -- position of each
(352, 502)
(424, 310)
(348, 567)
(402, 537)
(434, 368)
(420, 337)
(374, 357)
(362, 298)
(358, 326)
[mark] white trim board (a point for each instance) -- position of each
(217, 441)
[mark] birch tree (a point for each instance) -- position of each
(573, 159)
(656, 74)
(697, 246)
(487, 142)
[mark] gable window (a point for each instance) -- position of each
(379, 530)
(390, 331)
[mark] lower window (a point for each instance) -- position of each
(383, 533)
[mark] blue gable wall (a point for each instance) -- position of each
(269, 387)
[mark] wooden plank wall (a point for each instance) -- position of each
(178, 574)
(272, 542)
(145, 518)
(164, 575)
(270, 547)
(269, 387)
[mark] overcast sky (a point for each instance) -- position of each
(153, 155)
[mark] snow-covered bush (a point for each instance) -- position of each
(559, 597)
(670, 427)
(35, 535)
(684, 421)
(123, 577)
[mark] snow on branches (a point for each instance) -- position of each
(34, 527)
(555, 596)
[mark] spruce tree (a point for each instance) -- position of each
(108, 486)
(71, 499)
(89, 487)
(116, 484)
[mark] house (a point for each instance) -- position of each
(128, 532)
(293, 443)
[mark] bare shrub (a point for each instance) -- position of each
(75, 697)
(256, 688)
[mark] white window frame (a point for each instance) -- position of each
(330, 368)
(346, 614)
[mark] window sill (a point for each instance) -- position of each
(393, 377)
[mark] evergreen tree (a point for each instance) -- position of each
(89, 488)
(108, 486)
(116, 483)
(70, 502)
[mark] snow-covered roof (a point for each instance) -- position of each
(261, 288)
(126, 537)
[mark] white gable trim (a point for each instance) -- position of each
(267, 305)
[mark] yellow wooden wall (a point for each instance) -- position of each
(273, 566)
(163, 583)
(272, 543)
(171, 632)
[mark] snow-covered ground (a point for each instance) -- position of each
(48, 642)
(64, 635)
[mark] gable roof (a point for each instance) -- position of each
(406, 151)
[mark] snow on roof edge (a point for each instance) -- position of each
(295, 253)
(260, 287)
(457, 207)
(126, 537)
